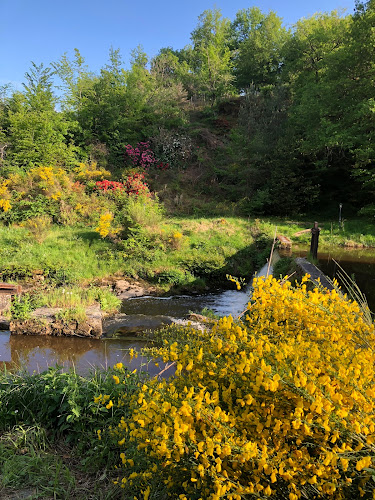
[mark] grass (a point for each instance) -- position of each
(353, 233)
(74, 295)
(180, 252)
(66, 255)
(206, 250)
(32, 467)
(183, 253)
(49, 445)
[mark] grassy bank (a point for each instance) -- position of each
(178, 252)
(49, 445)
(352, 233)
(73, 267)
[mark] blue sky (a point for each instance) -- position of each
(42, 30)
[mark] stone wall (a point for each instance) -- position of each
(303, 266)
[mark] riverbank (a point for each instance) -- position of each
(74, 268)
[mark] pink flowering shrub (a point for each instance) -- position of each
(143, 157)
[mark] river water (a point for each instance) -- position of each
(36, 353)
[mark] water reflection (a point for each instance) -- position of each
(37, 353)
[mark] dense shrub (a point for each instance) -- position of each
(281, 406)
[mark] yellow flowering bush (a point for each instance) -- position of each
(175, 240)
(105, 226)
(90, 171)
(5, 195)
(49, 181)
(281, 405)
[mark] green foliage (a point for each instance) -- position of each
(38, 134)
(258, 39)
(27, 464)
(62, 402)
(141, 211)
(211, 57)
(22, 306)
(283, 267)
(171, 276)
(38, 227)
(67, 255)
(76, 299)
(76, 313)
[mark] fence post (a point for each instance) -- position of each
(314, 241)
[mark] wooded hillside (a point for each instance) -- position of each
(251, 114)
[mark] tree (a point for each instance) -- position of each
(211, 56)
(38, 134)
(75, 77)
(257, 40)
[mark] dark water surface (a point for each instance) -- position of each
(358, 263)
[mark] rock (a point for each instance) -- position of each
(134, 324)
(5, 302)
(4, 323)
(126, 290)
(43, 321)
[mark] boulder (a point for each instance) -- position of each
(43, 321)
(126, 290)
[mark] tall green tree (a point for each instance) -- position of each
(211, 56)
(257, 40)
(38, 133)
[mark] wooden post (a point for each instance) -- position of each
(314, 241)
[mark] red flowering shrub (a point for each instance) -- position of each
(132, 185)
(106, 185)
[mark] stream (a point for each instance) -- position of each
(142, 314)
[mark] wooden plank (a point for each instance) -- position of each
(299, 233)
(10, 289)
(285, 241)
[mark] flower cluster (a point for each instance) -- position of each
(105, 226)
(90, 171)
(106, 185)
(281, 405)
(134, 185)
(142, 156)
(5, 204)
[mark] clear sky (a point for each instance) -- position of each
(42, 30)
